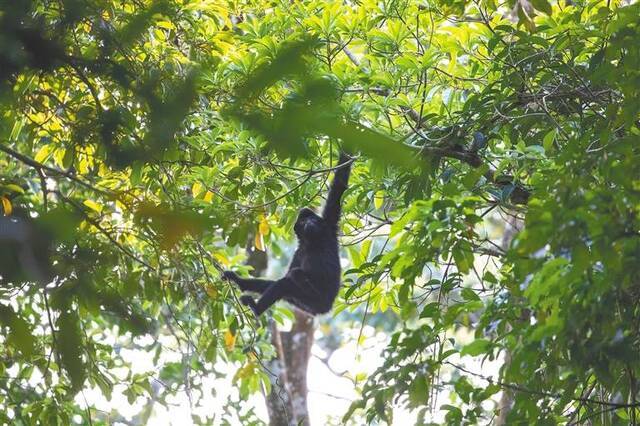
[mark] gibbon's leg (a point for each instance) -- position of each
(255, 285)
(274, 292)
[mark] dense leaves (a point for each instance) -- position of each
(493, 212)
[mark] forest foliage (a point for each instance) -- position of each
(144, 145)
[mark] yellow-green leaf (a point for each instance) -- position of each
(263, 227)
(166, 25)
(14, 188)
(211, 290)
(15, 131)
(6, 206)
(197, 189)
(378, 199)
(43, 153)
(93, 205)
(229, 340)
(259, 242)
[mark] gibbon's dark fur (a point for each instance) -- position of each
(313, 279)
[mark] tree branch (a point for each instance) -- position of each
(39, 166)
(522, 389)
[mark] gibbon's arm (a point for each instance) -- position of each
(331, 211)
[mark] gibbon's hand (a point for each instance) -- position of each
(230, 275)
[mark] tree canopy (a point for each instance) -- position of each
(492, 214)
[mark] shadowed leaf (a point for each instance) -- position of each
(19, 333)
(69, 347)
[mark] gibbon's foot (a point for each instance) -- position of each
(230, 275)
(248, 301)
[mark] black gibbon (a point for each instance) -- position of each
(313, 278)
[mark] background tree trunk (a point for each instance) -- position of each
(287, 401)
(511, 228)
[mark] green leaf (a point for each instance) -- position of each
(15, 131)
(70, 347)
(356, 257)
(289, 60)
(375, 144)
(463, 258)
(463, 389)
(430, 310)
(549, 138)
(542, 6)
(547, 279)
(477, 347)
(469, 294)
(418, 391)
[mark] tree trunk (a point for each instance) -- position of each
(295, 351)
(287, 401)
(279, 401)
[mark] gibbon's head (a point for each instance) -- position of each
(308, 224)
